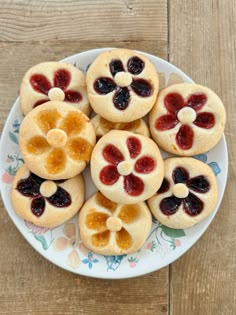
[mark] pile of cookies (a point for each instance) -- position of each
(58, 139)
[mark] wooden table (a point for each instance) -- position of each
(197, 36)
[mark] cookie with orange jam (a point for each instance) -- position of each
(43, 202)
(110, 228)
(54, 81)
(56, 140)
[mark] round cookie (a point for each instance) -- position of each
(103, 126)
(43, 202)
(55, 81)
(122, 85)
(187, 119)
(56, 140)
(188, 193)
(127, 168)
(110, 228)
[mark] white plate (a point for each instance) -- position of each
(163, 246)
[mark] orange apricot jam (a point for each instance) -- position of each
(79, 149)
(56, 161)
(123, 239)
(96, 220)
(37, 145)
(129, 213)
(47, 119)
(105, 202)
(73, 123)
(101, 239)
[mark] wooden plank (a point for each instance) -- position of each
(83, 20)
(29, 284)
(202, 43)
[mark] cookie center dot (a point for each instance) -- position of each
(123, 79)
(187, 115)
(56, 94)
(124, 168)
(48, 188)
(56, 138)
(180, 190)
(114, 224)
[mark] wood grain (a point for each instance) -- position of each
(36, 31)
(202, 43)
(83, 20)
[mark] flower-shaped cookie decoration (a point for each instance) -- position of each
(44, 202)
(53, 81)
(187, 119)
(188, 193)
(109, 228)
(125, 82)
(56, 140)
(126, 167)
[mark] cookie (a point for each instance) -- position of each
(127, 168)
(187, 119)
(188, 193)
(44, 202)
(56, 140)
(55, 81)
(103, 126)
(122, 85)
(110, 228)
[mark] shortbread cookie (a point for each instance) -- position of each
(187, 119)
(44, 202)
(55, 81)
(110, 228)
(56, 140)
(188, 193)
(122, 85)
(127, 168)
(103, 126)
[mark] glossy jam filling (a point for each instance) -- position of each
(30, 187)
(166, 122)
(173, 102)
(112, 155)
(101, 239)
(184, 137)
(56, 161)
(144, 165)
(123, 239)
(96, 220)
(165, 186)
(133, 185)
(116, 66)
(109, 175)
(79, 149)
(134, 146)
(196, 101)
(72, 96)
(105, 202)
(135, 65)
(104, 85)
(62, 79)
(129, 213)
(48, 119)
(141, 87)
(40, 83)
(121, 98)
(73, 123)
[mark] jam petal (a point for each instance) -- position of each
(79, 149)
(196, 101)
(105, 202)
(96, 221)
(144, 165)
(199, 184)
(101, 239)
(141, 87)
(116, 66)
(62, 78)
(193, 205)
(40, 83)
(133, 185)
(123, 239)
(37, 145)
(56, 161)
(104, 85)
(112, 155)
(61, 198)
(180, 175)
(184, 137)
(73, 123)
(28, 187)
(135, 65)
(173, 102)
(134, 146)
(47, 120)
(129, 213)
(38, 206)
(205, 120)
(170, 205)
(165, 186)
(72, 96)
(109, 175)
(166, 122)
(121, 98)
